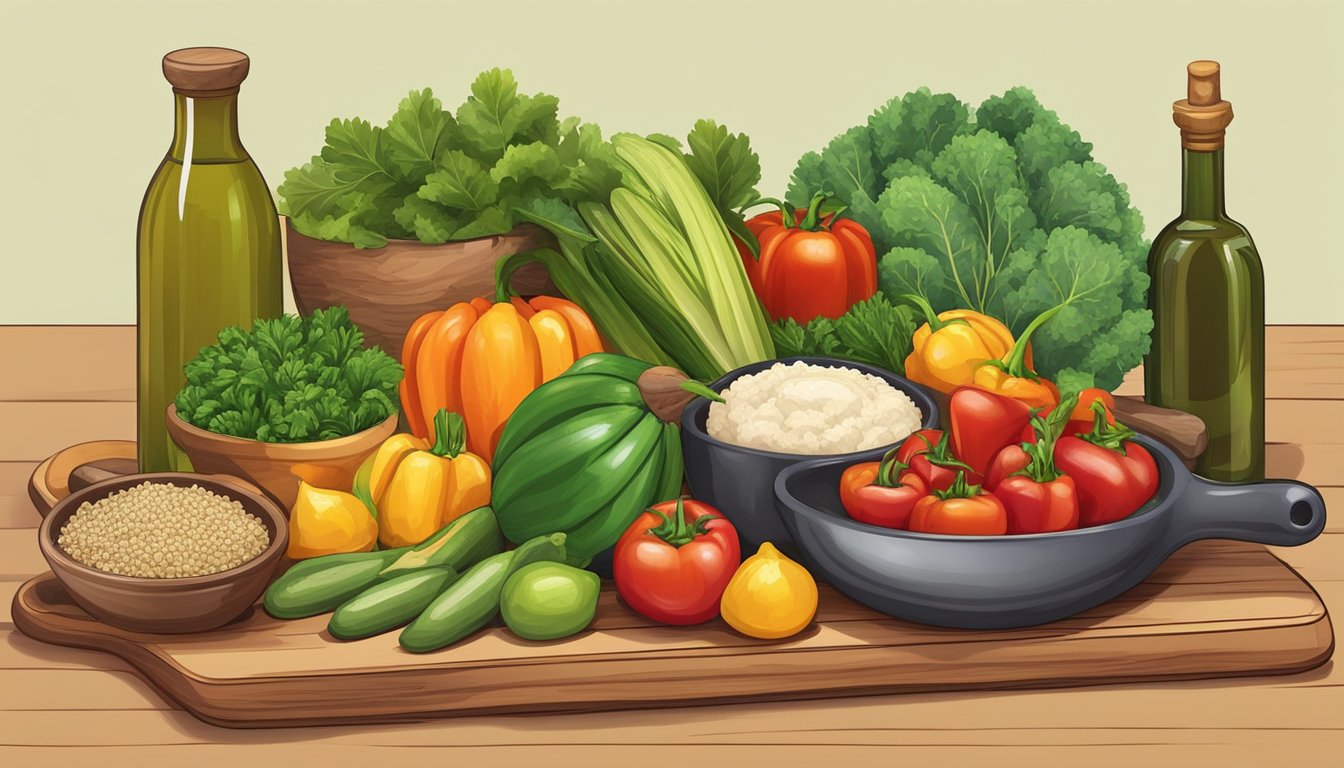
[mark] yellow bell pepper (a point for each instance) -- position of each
(326, 522)
(950, 347)
(417, 489)
(1012, 374)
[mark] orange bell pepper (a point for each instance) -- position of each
(809, 265)
(481, 358)
(949, 348)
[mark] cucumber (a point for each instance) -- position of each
(459, 544)
(559, 400)
(322, 583)
(602, 530)
(564, 505)
(472, 601)
(556, 454)
(389, 604)
(620, 366)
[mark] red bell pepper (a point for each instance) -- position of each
(928, 453)
(882, 492)
(982, 424)
(962, 509)
(1038, 498)
(810, 265)
(1114, 475)
(673, 563)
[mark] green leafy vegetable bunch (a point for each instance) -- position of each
(873, 331)
(290, 380)
(1003, 210)
(437, 175)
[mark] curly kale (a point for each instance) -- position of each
(1001, 210)
(290, 380)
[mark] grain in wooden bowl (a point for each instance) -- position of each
(204, 576)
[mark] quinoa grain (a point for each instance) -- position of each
(163, 531)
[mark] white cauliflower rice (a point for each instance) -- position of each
(813, 410)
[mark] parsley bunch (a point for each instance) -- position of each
(290, 380)
(436, 175)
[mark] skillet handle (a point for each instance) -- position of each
(1283, 513)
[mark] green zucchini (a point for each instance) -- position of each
(388, 605)
(472, 601)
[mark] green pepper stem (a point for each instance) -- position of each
(1105, 435)
(450, 434)
(1041, 454)
(935, 323)
(812, 221)
(1015, 362)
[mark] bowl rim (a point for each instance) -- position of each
(919, 396)
(51, 550)
(177, 422)
(1158, 506)
(521, 229)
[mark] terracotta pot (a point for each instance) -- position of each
(387, 288)
(268, 465)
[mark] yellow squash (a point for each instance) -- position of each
(326, 522)
(417, 489)
(770, 596)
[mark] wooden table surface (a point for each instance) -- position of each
(66, 384)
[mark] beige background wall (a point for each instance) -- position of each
(85, 115)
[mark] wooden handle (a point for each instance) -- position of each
(1182, 432)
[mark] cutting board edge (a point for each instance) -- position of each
(1310, 644)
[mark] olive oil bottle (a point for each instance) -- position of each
(208, 246)
(1208, 299)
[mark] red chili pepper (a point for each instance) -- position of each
(810, 265)
(1114, 475)
(1038, 498)
(982, 424)
(673, 563)
(961, 509)
(882, 492)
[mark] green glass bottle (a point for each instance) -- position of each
(1208, 299)
(208, 246)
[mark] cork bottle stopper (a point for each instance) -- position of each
(204, 72)
(1202, 116)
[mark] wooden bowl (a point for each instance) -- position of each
(387, 288)
(269, 465)
(193, 604)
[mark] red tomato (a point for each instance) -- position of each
(982, 424)
(962, 510)
(928, 453)
(871, 495)
(1035, 507)
(673, 563)
(1112, 482)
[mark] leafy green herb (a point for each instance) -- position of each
(290, 380)
(874, 331)
(1001, 210)
(435, 175)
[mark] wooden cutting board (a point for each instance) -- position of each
(1214, 609)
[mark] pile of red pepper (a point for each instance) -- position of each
(1003, 467)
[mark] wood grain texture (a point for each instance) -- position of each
(1235, 721)
(1215, 609)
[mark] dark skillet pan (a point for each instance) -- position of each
(994, 582)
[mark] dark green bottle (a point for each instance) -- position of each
(208, 246)
(1208, 299)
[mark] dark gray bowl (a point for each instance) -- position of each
(740, 482)
(992, 582)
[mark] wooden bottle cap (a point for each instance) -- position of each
(205, 71)
(1202, 116)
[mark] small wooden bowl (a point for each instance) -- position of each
(172, 606)
(269, 465)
